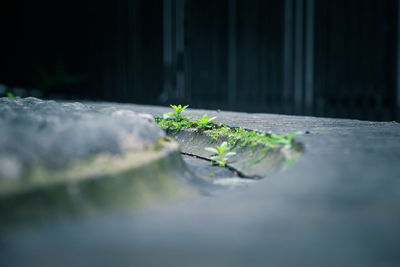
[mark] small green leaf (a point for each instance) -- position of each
(211, 149)
(214, 158)
(221, 150)
(178, 111)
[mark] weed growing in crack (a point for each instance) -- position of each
(177, 114)
(205, 123)
(243, 138)
(176, 121)
(221, 154)
(235, 136)
(11, 95)
(173, 124)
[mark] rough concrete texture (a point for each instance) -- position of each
(71, 159)
(224, 177)
(337, 206)
(249, 161)
(36, 132)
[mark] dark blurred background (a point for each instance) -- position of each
(334, 58)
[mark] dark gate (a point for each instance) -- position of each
(335, 58)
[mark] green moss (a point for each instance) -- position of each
(217, 132)
(236, 136)
(173, 124)
(242, 137)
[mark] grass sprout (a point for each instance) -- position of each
(177, 115)
(220, 154)
(205, 122)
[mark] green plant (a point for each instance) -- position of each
(284, 141)
(178, 113)
(205, 122)
(174, 124)
(243, 138)
(220, 154)
(11, 95)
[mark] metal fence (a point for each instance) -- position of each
(336, 58)
(324, 58)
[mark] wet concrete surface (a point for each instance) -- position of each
(337, 206)
(223, 178)
(205, 168)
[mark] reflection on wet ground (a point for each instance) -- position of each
(204, 167)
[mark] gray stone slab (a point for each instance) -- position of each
(338, 206)
(71, 159)
(33, 131)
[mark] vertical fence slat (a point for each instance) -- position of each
(309, 58)
(288, 55)
(398, 63)
(298, 57)
(179, 49)
(232, 53)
